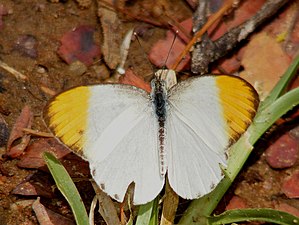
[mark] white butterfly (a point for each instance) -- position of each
(128, 135)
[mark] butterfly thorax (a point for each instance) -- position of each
(159, 101)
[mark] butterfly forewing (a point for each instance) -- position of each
(114, 128)
(200, 128)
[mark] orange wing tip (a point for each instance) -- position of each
(239, 102)
(67, 116)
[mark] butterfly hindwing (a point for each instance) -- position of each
(206, 114)
(140, 163)
(99, 123)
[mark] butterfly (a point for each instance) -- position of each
(131, 136)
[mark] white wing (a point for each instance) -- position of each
(200, 129)
(119, 138)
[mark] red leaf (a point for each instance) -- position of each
(78, 44)
(23, 121)
(131, 78)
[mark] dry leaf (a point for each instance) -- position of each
(78, 45)
(33, 157)
(23, 121)
(264, 63)
(111, 26)
(170, 205)
(37, 184)
(48, 217)
(131, 78)
(106, 206)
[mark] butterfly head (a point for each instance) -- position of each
(167, 76)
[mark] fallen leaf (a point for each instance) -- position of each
(262, 67)
(132, 79)
(78, 44)
(15, 149)
(33, 159)
(111, 26)
(48, 217)
(37, 184)
(33, 156)
(170, 205)
(106, 206)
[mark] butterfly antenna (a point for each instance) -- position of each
(143, 51)
(171, 46)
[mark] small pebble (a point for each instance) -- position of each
(26, 45)
(41, 69)
(77, 68)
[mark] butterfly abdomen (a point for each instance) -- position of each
(162, 152)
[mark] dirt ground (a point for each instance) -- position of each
(42, 24)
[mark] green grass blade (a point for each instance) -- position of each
(155, 213)
(247, 215)
(148, 213)
(67, 187)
